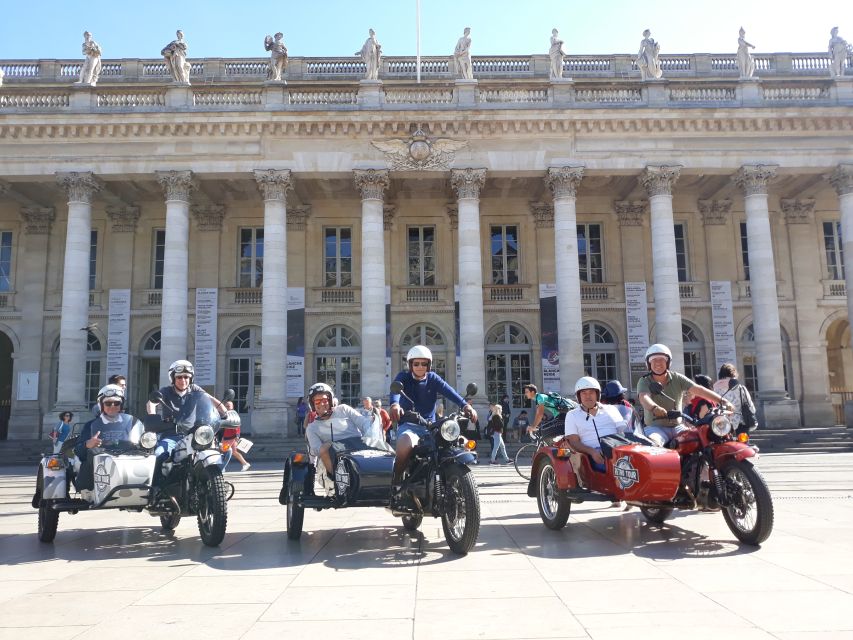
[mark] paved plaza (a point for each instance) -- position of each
(357, 574)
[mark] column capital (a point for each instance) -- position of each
(630, 212)
(714, 211)
(658, 180)
(564, 181)
(177, 185)
(842, 179)
(797, 211)
(274, 183)
(467, 182)
(543, 215)
(388, 213)
(453, 214)
(208, 217)
(296, 217)
(124, 218)
(80, 186)
(754, 178)
(37, 219)
(372, 183)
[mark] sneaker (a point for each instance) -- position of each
(246, 467)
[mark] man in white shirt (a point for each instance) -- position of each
(591, 420)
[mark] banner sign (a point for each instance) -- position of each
(724, 326)
(206, 313)
(118, 334)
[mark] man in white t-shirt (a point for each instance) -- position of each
(591, 420)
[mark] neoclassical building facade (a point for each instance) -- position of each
(525, 228)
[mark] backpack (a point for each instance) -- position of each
(747, 410)
(560, 403)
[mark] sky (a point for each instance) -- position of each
(236, 28)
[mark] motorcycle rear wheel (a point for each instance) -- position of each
(412, 521)
(656, 515)
(750, 512)
(48, 522)
(213, 508)
(554, 508)
(170, 523)
(460, 517)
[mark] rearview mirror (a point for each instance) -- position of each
(155, 396)
(229, 395)
(396, 387)
(471, 390)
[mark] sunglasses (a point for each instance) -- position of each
(112, 403)
(415, 363)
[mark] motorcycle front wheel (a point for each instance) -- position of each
(460, 517)
(213, 507)
(170, 523)
(554, 508)
(412, 521)
(48, 522)
(749, 510)
(656, 515)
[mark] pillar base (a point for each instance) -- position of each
(779, 414)
(466, 92)
(27, 423)
(369, 93)
(272, 418)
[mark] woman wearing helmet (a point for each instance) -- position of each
(590, 420)
(110, 426)
(337, 428)
(658, 427)
(421, 387)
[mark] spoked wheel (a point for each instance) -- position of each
(412, 521)
(460, 517)
(212, 507)
(749, 513)
(170, 523)
(656, 515)
(48, 522)
(554, 508)
(524, 459)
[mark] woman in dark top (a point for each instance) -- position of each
(699, 407)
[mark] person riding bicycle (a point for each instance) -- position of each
(421, 387)
(658, 427)
(548, 406)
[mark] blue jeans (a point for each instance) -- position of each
(498, 446)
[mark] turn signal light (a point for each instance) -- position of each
(743, 437)
(471, 444)
(300, 458)
(55, 464)
(563, 453)
(225, 446)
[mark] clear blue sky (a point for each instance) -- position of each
(236, 28)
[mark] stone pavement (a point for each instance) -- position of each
(357, 574)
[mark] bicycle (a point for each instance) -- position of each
(523, 461)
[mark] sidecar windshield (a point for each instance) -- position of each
(196, 410)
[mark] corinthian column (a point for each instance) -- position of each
(372, 184)
(842, 180)
(467, 184)
(753, 180)
(274, 186)
(177, 186)
(563, 182)
(71, 384)
(658, 183)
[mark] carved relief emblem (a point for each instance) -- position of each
(419, 151)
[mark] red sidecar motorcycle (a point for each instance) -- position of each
(707, 468)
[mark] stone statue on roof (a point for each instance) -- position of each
(278, 56)
(556, 54)
(745, 63)
(371, 53)
(90, 71)
(648, 58)
(462, 56)
(838, 50)
(175, 55)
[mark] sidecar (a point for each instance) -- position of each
(362, 479)
(635, 471)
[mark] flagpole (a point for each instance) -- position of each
(418, 39)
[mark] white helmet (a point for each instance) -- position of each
(587, 382)
(113, 391)
(181, 366)
(659, 350)
(419, 352)
(316, 389)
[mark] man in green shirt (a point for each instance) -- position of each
(658, 427)
(547, 406)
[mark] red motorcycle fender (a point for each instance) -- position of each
(566, 478)
(731, 450)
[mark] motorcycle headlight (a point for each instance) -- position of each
(148, 440)
(450, 430)
(721, 426)
(203, 436)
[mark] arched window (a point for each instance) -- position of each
(749, 373)
(337, 358)
(694, 350)
(599, 352)
(244, 367)
(508, 358)
(428, 336)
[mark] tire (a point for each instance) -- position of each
(295, 518)
(524, 460)
(412, 521)
(656, 515)
(48, 522)
(170, 523)
(749, 513)
(213, 507)
(554, 508)
(460, 517)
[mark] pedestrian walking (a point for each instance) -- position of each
(496, 424)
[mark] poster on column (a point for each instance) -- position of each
(206, 315)
(118, 334)
(295, 342)
(724, 326)
(458, 346)
(637, 321)
(387, 341)
(550, 342)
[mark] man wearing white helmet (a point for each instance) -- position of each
(110, 426)
(587, 423)
(658, 427)
(421, 387)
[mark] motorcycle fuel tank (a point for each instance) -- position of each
(645, 473)
(114, 471)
